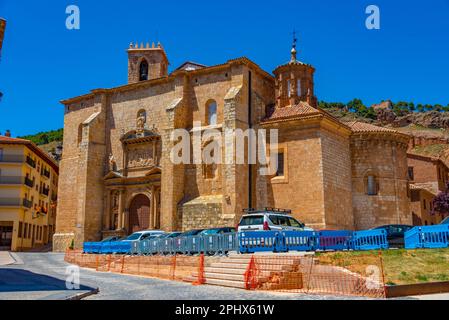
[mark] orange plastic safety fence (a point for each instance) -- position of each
(201, 279)
(360, 275)
(251, 275)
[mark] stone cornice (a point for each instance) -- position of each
(169, 78)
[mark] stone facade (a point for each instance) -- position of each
(117, 174)
(424, 169)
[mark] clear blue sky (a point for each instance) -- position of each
(43, 62)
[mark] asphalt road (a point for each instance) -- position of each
(43, 276)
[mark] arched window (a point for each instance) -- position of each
(372, 187)
(212, 113)
(143, 71)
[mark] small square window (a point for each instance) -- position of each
(280, 171)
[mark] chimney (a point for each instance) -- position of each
(8, 133)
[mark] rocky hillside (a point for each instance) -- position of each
(429, 129)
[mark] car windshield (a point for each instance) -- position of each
(134, 236)
(192, 232)
(445, 221)
(285, 221)
(251, 220)
(174, 235)
(107, 239)
(210, 231)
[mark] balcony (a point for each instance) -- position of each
(29, 182)
(10, 180)
(15, 202)
(45, 173)
(31, 162)
(7, 158)
(27, 203)
(45, 191)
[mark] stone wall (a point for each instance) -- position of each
(204, 212)
(336, 166)
(385, 157)
(301, 189)
(428, 170)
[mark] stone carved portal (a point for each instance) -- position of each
(139, 213)
(140, 156)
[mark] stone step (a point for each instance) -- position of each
(229, 265)
(235, 260)
(224, 270)
(218, 282)
(222, 276)
(226, 283)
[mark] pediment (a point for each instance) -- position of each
(153, 170)
(112, 175)
(134, 136)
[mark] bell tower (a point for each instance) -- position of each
(294, 81)
(146, 62)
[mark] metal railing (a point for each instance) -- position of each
(14, 202)
(12, 158)
(45, 173)
(29, 182)
(30, 162)
(45, 191)
(27, 203)
(11, 180)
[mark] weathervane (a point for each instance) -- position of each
(293, 52)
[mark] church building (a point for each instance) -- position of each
(117, 177)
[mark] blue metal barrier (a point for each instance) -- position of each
(333, 240)
(121, 247)
(229, 242)
(427, 237)
(106, 248)
(369, 240)
(87, 247)
(212, 244)
(193, 245)
(259, 241)
(298, 240)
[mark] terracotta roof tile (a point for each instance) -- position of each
(362, 127)
(9, 139)
(302, 109)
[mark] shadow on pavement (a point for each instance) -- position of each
(16, 280)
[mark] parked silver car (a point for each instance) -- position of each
(143, 235)
(270, 219)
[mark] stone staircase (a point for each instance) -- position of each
(227, 272)
(230, 272)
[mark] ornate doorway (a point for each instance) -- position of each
(139, 213)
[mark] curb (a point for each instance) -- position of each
(81, 296)
(417, 289)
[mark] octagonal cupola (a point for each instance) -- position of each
(294, 82)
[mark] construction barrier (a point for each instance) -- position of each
(261, 241)
(247, 242)
(298, 241)
(369, 240)
(427, 237)
(357, 276)
(334, 240)
(329, 273)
